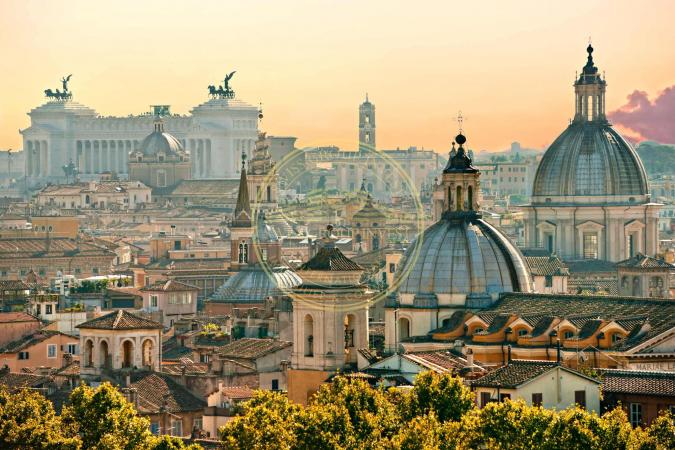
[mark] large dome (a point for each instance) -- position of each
(468, 260)
(160, 141)
(590, 160)
(254, 285)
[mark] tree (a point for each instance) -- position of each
(173, 443)
(28, 420)
(103, 419)
(443, 394)
(661, 434)
(268, 422)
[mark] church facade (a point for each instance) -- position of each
(215, 133)
(590, 198)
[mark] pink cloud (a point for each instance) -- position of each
(651, 120)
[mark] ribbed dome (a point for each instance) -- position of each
(160, 142)
(468, 257)
(253, 284)
(590, 159)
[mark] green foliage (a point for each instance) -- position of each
(210, 328)
(658, 159)
(172, 443)
(438, 413)
(104, 419)
(28, 420)
(268, 423)
(443, 395)
(92, 286)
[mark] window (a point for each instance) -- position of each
(392, 267)
(568, 335)
(275, 384)
(197, 424)
(537, 399)
(78, 270)
(635, 414)
(24, 355)
(485, 398)
(580, 398)
(590, 246)
(176, 428)
(51, 351)
(243, 253)
(42, 272)
(548, 281)
(522, 332)
(203, 358)
(153, 301)
(38, 309)
(154, 427)
(48, 309)
(72, 349)
(504, 397)
(94, 270)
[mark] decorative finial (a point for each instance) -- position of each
(460, 121)
(260, 112)
(243, 160)
(366, 97)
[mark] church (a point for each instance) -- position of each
(590, 199)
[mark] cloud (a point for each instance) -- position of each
(650, 120)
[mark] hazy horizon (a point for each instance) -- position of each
(508, 67)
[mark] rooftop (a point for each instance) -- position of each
(156, 391)
(120, 320)
(252, 348)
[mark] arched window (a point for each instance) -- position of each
(127, 354)
(376, 242)
(148, 348)
(89, 353)
(309, 335)
(449, 198)
(458, 198)
(243, 253)
(522, 332)
(350, 331)
(403, 329)
(269, 193)
(568, 334)
(636, 286)
(470, 195)
(104, 356)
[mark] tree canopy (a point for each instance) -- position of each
(437, 413)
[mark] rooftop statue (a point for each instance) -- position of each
(220, 91)
(58, 95)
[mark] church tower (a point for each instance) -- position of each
(330, 319)
(241, 230)
(367, 126)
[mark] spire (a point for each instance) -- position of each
(242, 212)
(459, 161)
(159, 124)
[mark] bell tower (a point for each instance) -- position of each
(589, 92)
(366, 126)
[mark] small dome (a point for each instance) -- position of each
(253, 284)
(468, 257)
(590, 159)
(160, 142)
(369, 212)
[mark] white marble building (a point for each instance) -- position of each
(215, 133)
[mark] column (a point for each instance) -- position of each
(104, 156)
(200, 152)
(209, 170)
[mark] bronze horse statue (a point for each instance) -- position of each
(57, 95)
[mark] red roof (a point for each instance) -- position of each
(9, 317)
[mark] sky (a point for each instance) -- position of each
(508, 66)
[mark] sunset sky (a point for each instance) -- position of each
(509, 66)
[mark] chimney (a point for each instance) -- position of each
(67, 359)
(508, 361)
(127, 381)
(469, 358)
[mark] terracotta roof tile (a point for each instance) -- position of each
(16, 381)
(252, 348)
(514, 374)
(638, 382)
(237, 392)
(120, 320)
(169, 286)
(155, 390)
(547, 265)
(330, 258)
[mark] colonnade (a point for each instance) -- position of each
(37, 158)
(96, 156)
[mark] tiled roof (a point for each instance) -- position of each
(237, 392)
(13, 317)
(661, 384)
(582, 309)
(29, 341)
(227, 187)
(252, 348)
(189, 264)
(13, 285)
(514, 374)
(21, 247)
(546, 265)
(170, 286)
(172, 351)
(191, 368)
(16, 381)
(441, 361)
(645, 262)
(453, 322)
(120, 320)
(71, 370)
(330, 258)
(156, 390)
(590, 265)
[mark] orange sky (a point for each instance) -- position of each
(508, 66)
